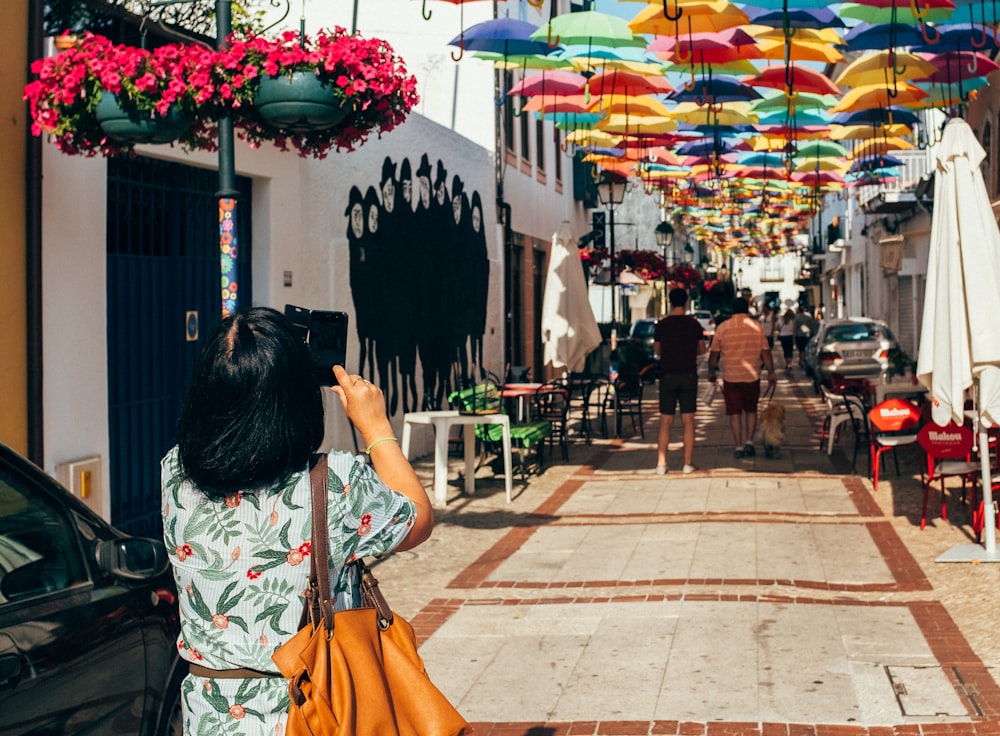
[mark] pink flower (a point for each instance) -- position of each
(233, 500)
(237, 711)
(183, 552)
(294, 557)
(220, 621)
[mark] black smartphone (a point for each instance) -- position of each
(325, 332)
(328, 342)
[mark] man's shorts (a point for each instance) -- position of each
(741, 397)
(678, 388)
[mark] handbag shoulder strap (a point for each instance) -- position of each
(318, 598)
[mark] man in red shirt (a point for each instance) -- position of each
(740, 344)
(678, 340)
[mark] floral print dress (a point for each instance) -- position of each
(241, 565)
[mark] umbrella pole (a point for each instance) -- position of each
(986, 552)
(989, 513)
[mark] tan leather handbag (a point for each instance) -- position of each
(356, 672)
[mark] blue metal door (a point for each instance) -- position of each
(164, 298)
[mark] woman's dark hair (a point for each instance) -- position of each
(253, 414)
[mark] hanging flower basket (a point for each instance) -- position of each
(299, 102)
(361, 79)
(125, 123)
(344, 88)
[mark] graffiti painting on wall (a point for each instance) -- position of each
(419, 277)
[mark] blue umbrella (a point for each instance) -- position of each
(865, 36)
(876, 116)
(715, 89)
(819, 17)
(875, 163)
(705, 147)
(507, 36)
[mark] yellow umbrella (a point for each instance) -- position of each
(868, 96)
(729, 113)
(822, 164)
(876, 146)
(877, 67)
(739, 68)
(588, 138)
(799, 50)
(697, 16)
(624, 123)
(864, 132)
(809, 35)
(631, 104)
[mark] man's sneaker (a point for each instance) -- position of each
(689, 469)
(738, 452)
(748, 450)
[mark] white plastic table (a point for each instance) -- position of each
(442, 422)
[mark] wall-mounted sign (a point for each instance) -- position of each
(191, 325)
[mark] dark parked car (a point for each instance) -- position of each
(641, 335)
(856, 347)
(88, 617)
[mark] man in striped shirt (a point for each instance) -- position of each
(741, 345)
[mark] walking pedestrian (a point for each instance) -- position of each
(678, 340)
(786, 336)
(805, 328)
(768, 323)
(740, 346)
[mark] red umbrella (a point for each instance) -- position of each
(794, 79)
(620, 81)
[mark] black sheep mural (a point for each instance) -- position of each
(419, 277)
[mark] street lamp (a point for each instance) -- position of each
(664, 237)
(611, 191)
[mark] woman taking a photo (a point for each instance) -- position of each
(237, 513)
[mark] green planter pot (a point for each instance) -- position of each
(127, 124)
(300, 102)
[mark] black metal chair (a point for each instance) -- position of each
(627, 398)
(551, 404)
(595, 407)
(855, 407)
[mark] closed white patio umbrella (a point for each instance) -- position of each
(569, 329)
(960, 342)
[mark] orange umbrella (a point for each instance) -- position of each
(697, 17)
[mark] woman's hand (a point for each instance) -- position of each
(363, 403)
(365, 406)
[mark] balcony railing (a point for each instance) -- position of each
(916, 165)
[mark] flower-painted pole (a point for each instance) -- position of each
(228, 245)
(226, 194)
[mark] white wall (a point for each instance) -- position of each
(298, 225)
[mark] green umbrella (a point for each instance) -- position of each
(821, 149)
(588, 28)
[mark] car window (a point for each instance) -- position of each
(643, 329)
(857, 333)
(39, 553)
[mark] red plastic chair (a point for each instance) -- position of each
(893, 424)
(949, 452)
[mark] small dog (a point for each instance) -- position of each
(771, 428)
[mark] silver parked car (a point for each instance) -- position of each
(856, 347)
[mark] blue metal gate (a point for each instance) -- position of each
(162, 271)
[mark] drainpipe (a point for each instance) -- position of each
(33, 254)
